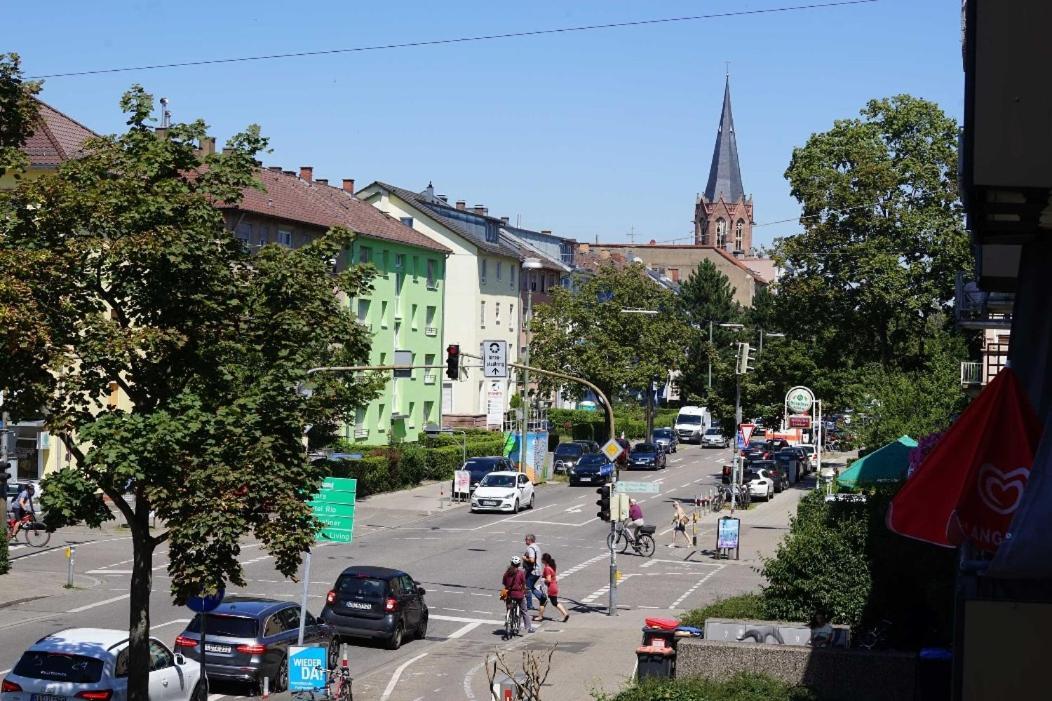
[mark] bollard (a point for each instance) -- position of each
(441, 497)
(266, 687)
(71, 552)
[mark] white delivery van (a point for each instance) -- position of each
(691, 423)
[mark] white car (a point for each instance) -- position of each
(812, 456)
(92, 664)
(761, 485)
(503, 491)
(714, 438)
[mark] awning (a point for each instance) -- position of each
(970, 484)
(886, 465)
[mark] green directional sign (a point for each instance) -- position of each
(334, 496)
(343, 484)
(336, 535)
(324, 509)
(333, 505)
(345, 522)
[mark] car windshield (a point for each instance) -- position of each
(807, 449)
(750, 475)
(644, 448)
(361, 588)
(663, 433)
(226, 626)
(569, 449)
(713, 432)
(688, 419)
(498, 481)
(59, 667)
(593, 459)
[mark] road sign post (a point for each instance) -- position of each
(333, 505)
(495, 358)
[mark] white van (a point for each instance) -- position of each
(691, 423)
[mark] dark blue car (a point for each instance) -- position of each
(593, 468)
(647, 456)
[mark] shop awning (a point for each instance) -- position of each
(886, 465)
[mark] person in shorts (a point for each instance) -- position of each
(551, 581)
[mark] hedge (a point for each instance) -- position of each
(747, 607)
(5, 564)
(744, 686)
(591, 425)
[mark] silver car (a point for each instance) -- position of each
(714, 438)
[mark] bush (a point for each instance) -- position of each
(742, 607)
(745, 686)
(5, 564)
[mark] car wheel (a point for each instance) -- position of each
(395, 641)
(281, 679)
(769, 494)
(533, 497)
(421, 631)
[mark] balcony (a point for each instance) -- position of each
(430, 331)
(971, 375)
(429, 377)
(361, 433)
(975, 308)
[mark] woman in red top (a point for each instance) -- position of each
(515, 582)
(551, 580)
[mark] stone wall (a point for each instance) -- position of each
(853, 675)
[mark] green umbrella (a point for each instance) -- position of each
(885, 465)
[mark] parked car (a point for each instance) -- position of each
(775, 444)
(376, 603)
(648, 456)
(92, 664)
(760, 484)
(566, 456)
(714, 438)
(589, 446)
(482, 466)
(503, 491)
(593, 468)
(812, 455)
(247, 639)
(791, 464)
(771, 469)
(666, 438)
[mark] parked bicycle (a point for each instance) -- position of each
(643, 543)
(34, 532)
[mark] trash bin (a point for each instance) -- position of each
(659, 637)
(934, 674)
(655, 662)
(504, 688)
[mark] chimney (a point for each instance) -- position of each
(461, 204)
(289, 172)
(546, 231)
(485, 211)
(307, 173)
(443, 199)
(348, 185)
(504, 221)
(274, 169)
(207, 147)
(652, 242)
(479, 209)
(322, 181)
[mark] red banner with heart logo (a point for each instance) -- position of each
(969, 486)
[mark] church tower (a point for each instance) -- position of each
(723, 216)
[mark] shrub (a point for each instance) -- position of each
(744, 686)
(741, 607)
(5, 564)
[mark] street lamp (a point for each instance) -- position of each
(769, 335)
(527, 265)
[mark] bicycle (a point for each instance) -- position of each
(512, 618)
(34, 532)
(642, 544)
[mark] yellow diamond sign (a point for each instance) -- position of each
(612, 450)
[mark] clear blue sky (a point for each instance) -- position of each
(588, 134)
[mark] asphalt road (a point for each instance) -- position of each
(456, 555)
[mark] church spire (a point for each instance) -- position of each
(725, 177)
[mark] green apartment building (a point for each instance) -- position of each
(404, 311)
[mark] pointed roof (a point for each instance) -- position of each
(725, 176)
(56, 138)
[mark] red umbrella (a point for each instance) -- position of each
(970, 485)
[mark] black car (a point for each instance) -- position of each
(248, 639)
(593, 468)
(567, 455)
(376, 603)
(482, 466)
(666, 438)
(647, 456)
(790, 464)
(771, 468)
(589, 446)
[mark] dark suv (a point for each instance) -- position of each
(378, 603)
(567, 455)
(248, 638)
(482, 466)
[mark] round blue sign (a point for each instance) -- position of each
(204, 604)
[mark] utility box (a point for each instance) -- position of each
(505, 689)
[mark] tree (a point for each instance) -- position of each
(586, 334)
(883, 234)
(137, 289)
(18, 112)
(707, 298)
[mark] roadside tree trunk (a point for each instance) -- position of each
(139, 606)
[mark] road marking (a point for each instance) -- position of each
(464, 630)
(81, 609)
(394, 677)
(694, 588)
(596, 594)
(577, 568)
(216, 697)
(115, 572)
(169, 623)
(462, 619)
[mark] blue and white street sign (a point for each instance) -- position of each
(204, 604)
(741, 441)
(307, 668)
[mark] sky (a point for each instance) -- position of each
(603, 134)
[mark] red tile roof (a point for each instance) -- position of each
(56, 138)
(291, 198)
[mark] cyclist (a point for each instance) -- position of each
(635, 518)
(23, 505)
(514, 581)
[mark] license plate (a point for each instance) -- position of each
(358, 605)
(213, 647)
(585, 479)
(489, 502)
(47, 697)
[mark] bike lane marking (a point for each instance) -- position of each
(397, 674)
(697, 584)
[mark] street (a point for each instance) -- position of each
(457, 556)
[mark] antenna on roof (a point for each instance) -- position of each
(166, 115)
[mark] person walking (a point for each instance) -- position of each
(514, 580)
(680, 519)
(551, 580)
(531, 563)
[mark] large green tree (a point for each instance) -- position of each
(18, 112)
(706, 299)
(123, 276)
(587, 334)
(883, 234)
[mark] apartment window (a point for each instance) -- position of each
(412, 406)
(512, 271)
(408, 221)
(244, 232)
(399, 261)
(432, 283)
(383, 313)
(285, 238)
(739, 237)
(416, 267)
(674, 274)
(511, 316)
(721, 233)
(500, 269)
(429, 319)
(359, 417)
(496, 313)
(482, 270)
(363, 310)
(429, 359)
(412, 317)
(532, 277)
(543, 280)
(383, 260)
(380, 413)
(365, 254)
(429, 408)
(482, 314)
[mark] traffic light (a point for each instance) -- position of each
(603, 502)
(453, 361)
(745, 359)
